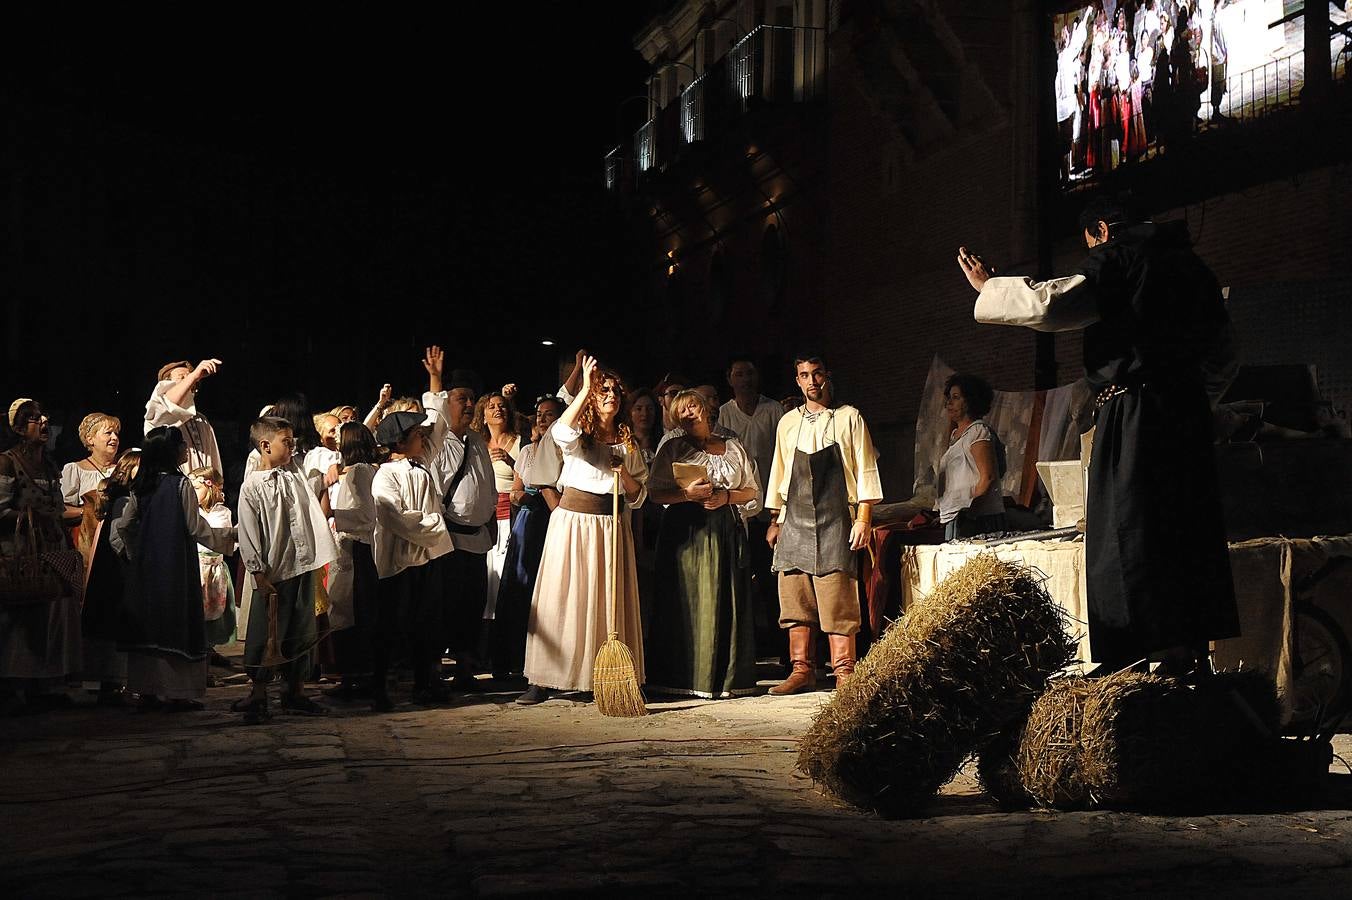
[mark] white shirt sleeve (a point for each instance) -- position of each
(423, 529)
(1060, 304)
(160, 410)
(250, 533)
(70, 484)
(122, 531)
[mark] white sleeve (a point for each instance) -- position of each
(70, 484)
(750, 480)
(249, 534)
(634, 464)
(423, 529)
(566, 438)
(1061, 304)
(160, 410)
(435, 406)
(122, 531)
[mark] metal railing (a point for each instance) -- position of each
(618, 169)
(771, 64)
(645, 145)
(778, 62)
(692, 110)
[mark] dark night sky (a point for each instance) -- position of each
(356, 187)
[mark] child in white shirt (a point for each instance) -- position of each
(410, 532)
(283, 540)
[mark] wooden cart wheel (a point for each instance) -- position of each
(1322, 692)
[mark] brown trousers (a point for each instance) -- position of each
(829, 602)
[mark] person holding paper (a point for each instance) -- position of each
(1157, 341)
(702, 615)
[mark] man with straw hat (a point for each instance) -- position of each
(1158, 352)
(822, 486)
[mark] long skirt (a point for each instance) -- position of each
(356, 609)
(104, 588)
(518, 585)
(1157, 562)
(568, 617)
(166, 675)
(703, 613)
(495, 562)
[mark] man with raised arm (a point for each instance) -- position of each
(174, 402)
(1157, 347)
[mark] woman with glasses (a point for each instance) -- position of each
(39, 641)
(569, 619)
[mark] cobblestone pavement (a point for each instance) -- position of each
(485, 799)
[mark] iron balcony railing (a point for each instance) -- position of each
(645, 146)
(773, 64)
(692, 110)
(778, 63)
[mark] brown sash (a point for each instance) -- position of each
(577, 501)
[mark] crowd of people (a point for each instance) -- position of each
(1135, 78)
(445, 536)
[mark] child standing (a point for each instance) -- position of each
(218, 592)
(410, 532)
(353, 580)
(283, 540)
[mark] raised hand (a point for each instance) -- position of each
(508, 390)
(433, 359)
(206, 367)
(588, 370)
(386, 396)
(977, 271)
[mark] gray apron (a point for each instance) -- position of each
(815, 536)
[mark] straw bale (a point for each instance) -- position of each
(1142, 741)
(1048, 755)
(997, 769)
(964, 663)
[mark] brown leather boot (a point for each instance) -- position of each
(803, 677)
(842, 657)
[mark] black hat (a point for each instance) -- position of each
(464, 378)
(393, 428)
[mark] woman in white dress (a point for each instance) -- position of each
(569, 619)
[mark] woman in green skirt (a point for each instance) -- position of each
(703, 642)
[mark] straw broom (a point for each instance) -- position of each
(614, 684)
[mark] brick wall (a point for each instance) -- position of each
(895, 218)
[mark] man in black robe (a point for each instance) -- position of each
(1155, 332)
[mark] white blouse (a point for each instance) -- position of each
(502, 472)
(76, 481)
(588, 468)
(315, 465)
(958, 475)
(733, 469)
(354, 504)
